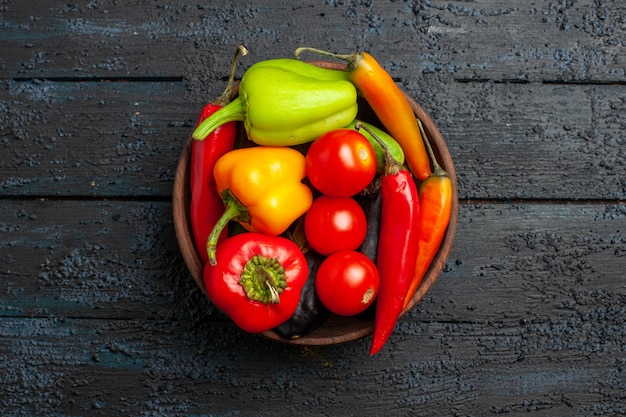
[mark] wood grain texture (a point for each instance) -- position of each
(92, 138)
(93, 259)
(121, 139)
(486, 39)
(99, 316)
(95, 367)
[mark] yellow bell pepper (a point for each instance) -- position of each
(262, 189)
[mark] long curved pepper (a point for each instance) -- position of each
(389, 103)
(436, 203)
(397, 245)
(205, 207)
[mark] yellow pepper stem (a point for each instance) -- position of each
(234, 210)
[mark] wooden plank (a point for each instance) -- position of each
(530, 141)
(54, 366)
(482, 39)
(92, 138)
(114, 259)
(530, 41)
(119, 259)
(536, 263)
(121, 139)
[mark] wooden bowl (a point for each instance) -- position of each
(336, 329)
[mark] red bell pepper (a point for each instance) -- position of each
(257, 281)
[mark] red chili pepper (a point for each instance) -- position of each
(257, 280)
(436, 203)
(397, 246)
(389, 103)
(206, 206)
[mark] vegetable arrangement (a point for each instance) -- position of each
(317, 212)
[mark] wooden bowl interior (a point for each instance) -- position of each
(335, 329)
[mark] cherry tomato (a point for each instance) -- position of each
(341, 163)
(333, 224)
(347, 282)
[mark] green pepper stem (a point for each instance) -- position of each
(234, 210)
(232, 112)
(352, 59)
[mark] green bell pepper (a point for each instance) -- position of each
(287, 102)
(305, 69)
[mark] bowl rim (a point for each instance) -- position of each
(355, 326)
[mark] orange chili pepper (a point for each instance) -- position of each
(436, 205)
(389, 103)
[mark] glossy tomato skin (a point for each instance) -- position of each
(341, 163)
(347, 282)
(333, 224)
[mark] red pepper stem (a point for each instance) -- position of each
(263, 279)
(392, 166)
(224, 98)
(234, 210)
(437, 169)
(232, 112)
(352, 59)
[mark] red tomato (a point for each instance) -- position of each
(333, 224)
(341, 163)
(347, 282)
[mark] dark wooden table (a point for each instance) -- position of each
(99, 315)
